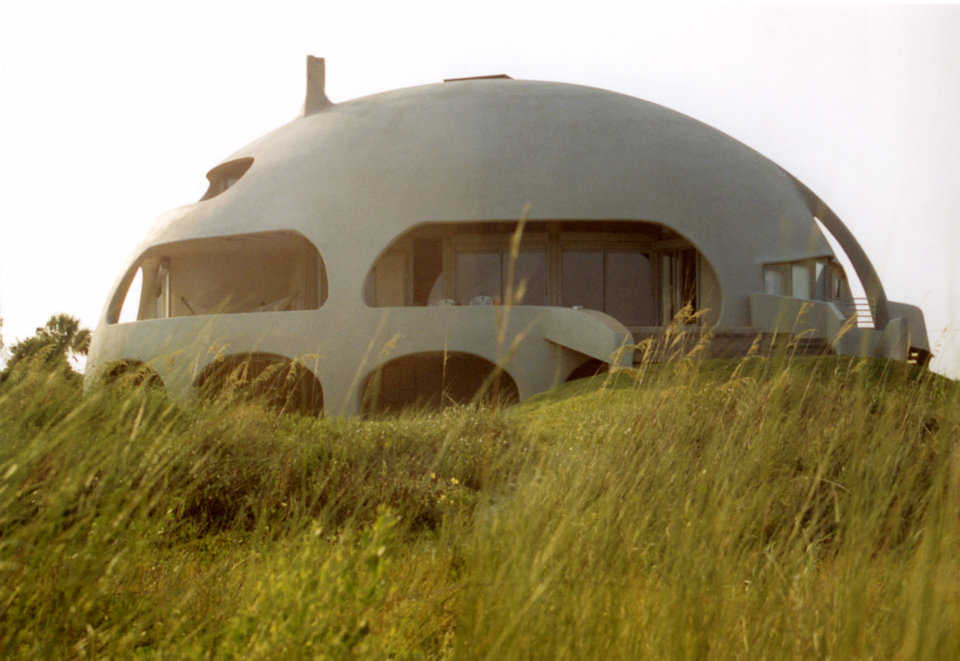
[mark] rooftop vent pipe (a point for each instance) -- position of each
(316, 86)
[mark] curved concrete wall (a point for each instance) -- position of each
(538, 346)
(351, 177)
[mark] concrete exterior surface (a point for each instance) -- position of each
(295, 222)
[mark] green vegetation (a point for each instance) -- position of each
(776, 507)
(60, 339)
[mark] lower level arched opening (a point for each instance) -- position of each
(589, 368)
(277, 382)
(435, 379)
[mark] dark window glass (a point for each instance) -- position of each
(532, 268)
(478, 274)
(629, 288)
(801, 280)
(688, 278)
(775, 280)
(582, 278)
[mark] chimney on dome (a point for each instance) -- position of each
(316, 86)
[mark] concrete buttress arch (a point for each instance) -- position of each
(861, 263)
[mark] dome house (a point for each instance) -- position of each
(372, 247)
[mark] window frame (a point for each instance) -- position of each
(537, 242)
(551, 239)
(159, 290)
(820, 285)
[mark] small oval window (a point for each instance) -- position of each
(226, 175)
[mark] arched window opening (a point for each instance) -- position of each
(277, 382)
(131, 299)
(641, 273)
(433, 380)
(226, 175)
(265, 272)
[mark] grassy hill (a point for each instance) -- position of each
(773, 507)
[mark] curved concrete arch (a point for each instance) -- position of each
(281, 382)
(861, 263)
(432, 377)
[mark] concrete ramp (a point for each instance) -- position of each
(591, 333)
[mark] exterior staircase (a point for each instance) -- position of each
(861, 308)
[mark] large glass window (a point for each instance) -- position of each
(483, 277)
(581, 279)
(775, 281)
(838, 287)
(819, 279)
(800, 279)
(530, 268)
(628, 288)
(478, 277)
(616, 281)
(272, 271)
(640, 273)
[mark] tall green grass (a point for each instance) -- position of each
(772, 507)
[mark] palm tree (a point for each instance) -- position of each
(64, 333)
(57, 341)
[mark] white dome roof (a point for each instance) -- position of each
(353, 176)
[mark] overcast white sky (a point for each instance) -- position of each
(113, 112)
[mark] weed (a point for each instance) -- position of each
(772, 507)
